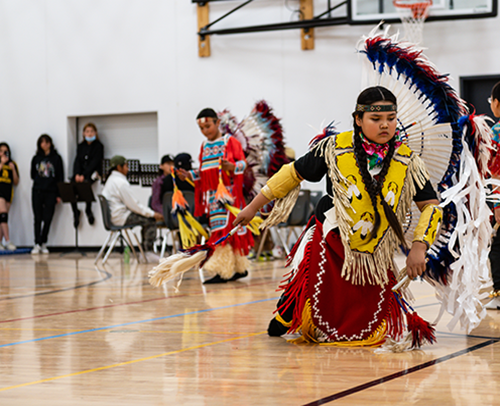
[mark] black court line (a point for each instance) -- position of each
(399, 374)
(49, 292)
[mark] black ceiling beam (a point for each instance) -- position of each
(324, 22)
(292, 25)
(227, 14)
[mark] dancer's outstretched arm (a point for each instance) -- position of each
(248, 213)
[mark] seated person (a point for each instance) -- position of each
(166, 166)
(124, 207)
(87, 167)
(182, 161)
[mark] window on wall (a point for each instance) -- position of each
(135, 136)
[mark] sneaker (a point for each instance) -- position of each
(2, 248)
(36, 249)
(262, 258)
(269, 255)
(44, 249)
(9, 246)
(493, 304)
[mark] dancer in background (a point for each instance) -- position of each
(221, 160)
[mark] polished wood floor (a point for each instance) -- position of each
(74, 334)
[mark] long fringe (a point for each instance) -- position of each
(282, 209)
(361, 268)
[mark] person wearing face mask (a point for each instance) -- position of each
(87, 167)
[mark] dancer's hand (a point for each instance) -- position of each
(248, 213)
(182, 174)
(245, 216)
(415, 262)
(227, 166)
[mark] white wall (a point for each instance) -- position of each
(69, 58)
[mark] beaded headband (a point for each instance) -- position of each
(374, 108)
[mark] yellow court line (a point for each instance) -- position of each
(189, 332)
(39, 329)
(130, 362)
(127, 331)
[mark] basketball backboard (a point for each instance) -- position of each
(373, 11)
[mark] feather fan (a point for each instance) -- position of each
(434, 123)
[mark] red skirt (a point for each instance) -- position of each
(326, 307)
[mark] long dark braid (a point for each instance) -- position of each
(374, 187)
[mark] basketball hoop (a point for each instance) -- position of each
(413, 14)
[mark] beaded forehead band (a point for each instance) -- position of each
(202, 120)
(375, 108)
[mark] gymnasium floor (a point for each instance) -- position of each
(74, 334)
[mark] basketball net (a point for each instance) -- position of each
(413, 14)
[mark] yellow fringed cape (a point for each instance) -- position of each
(368, 260)
(328, 297)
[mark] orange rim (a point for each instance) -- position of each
(419, 9)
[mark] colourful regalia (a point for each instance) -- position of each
(339, 289)
(207, 178)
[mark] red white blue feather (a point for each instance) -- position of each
(455, 146)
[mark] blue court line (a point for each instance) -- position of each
(144, 321)
(136, 322)
(16, 251)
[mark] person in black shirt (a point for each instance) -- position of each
(46, 171)
(181, 161)
(87, 167)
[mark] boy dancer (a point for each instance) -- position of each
(229, 261)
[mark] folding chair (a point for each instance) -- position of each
(115, 233)
(298, 219)
(160, 225)
(316, 196)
